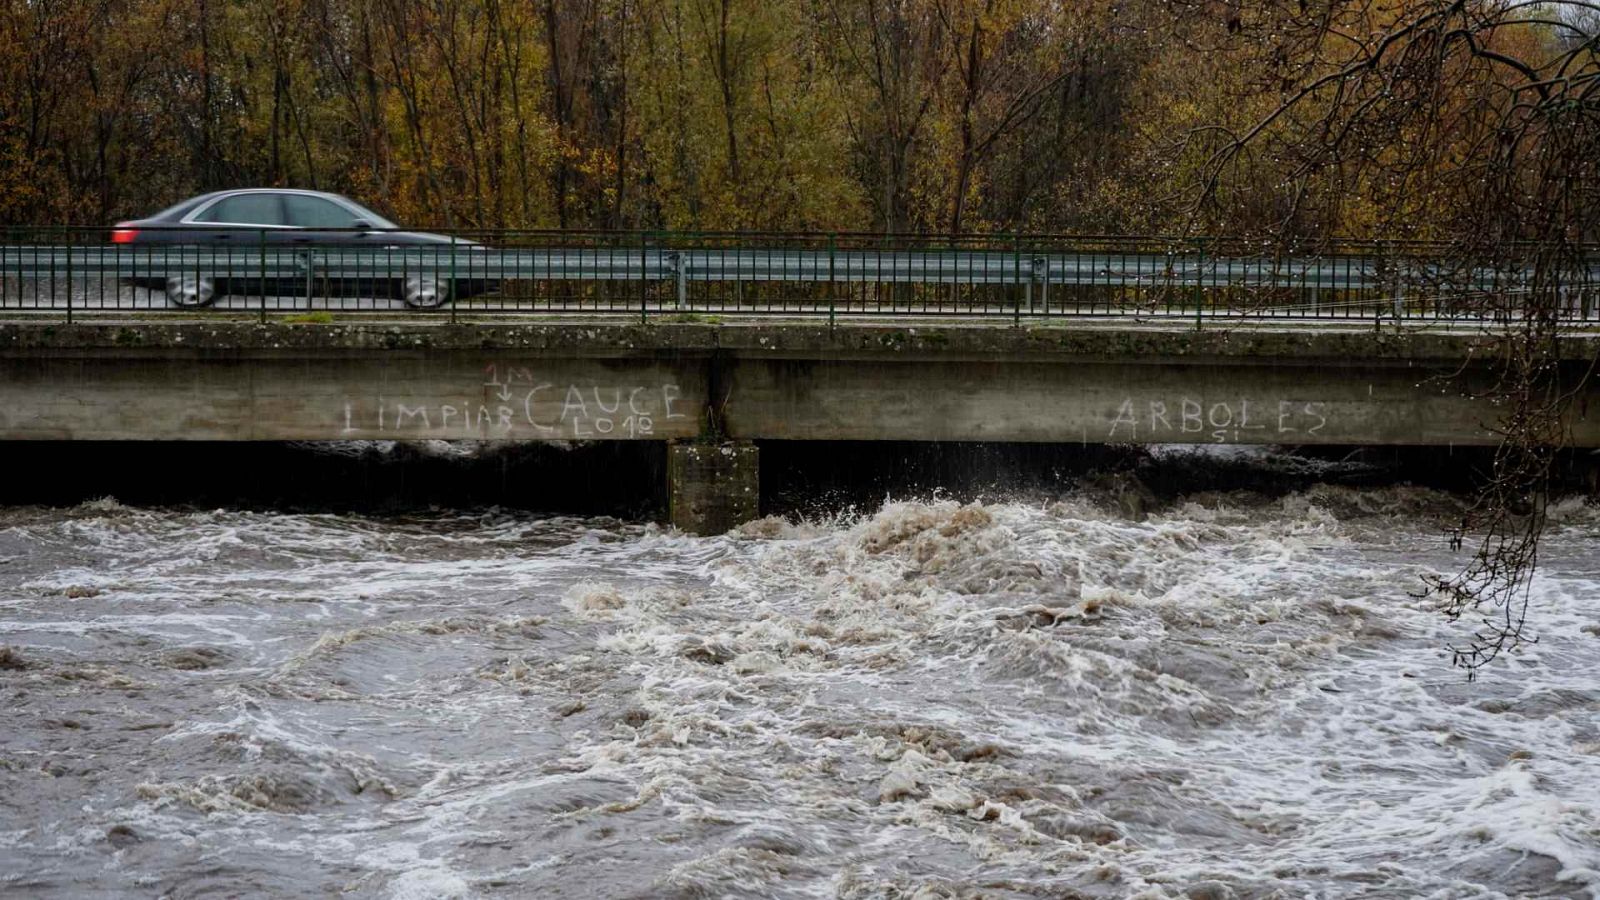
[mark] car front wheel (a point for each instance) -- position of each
(191, 291)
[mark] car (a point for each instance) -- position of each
(299, 223)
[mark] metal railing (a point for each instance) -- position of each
(649, 274)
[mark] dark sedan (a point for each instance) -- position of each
(415, 267)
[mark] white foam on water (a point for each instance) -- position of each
(429, 884)
(935, 699)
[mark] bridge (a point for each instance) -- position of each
(717, 348)
(716, 391)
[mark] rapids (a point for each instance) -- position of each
(1234, 697)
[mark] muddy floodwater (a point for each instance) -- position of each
(1236, 696)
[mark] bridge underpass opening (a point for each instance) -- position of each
(797, 479)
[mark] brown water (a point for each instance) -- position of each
(1018, 699)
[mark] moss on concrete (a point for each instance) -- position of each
(939, 340)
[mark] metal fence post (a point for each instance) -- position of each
(1399, 293)
(644, 285)
(683, 278)
(1027, 283)
(1199, 286)
(452, 288)
(1044, 284)
(833, 247)
(69, 279)
(51, 288)
(262, 235)
(1016, 289)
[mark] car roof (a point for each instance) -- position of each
(179, 210)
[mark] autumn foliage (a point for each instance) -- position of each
(873, 115)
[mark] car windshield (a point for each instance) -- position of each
(375, 220)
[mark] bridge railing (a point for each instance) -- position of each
(653, 274)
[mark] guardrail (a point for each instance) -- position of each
(70, 271)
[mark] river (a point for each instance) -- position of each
(1238, 696)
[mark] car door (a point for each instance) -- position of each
(240, 228)
(332, 233)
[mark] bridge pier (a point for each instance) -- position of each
(712, 487)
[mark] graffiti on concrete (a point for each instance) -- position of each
(1185, 419)
(514, 402)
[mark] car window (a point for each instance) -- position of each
(314, 212)
(245, 209)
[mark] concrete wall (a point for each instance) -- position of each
(235, 381)
(364, 396)
(1102, 402)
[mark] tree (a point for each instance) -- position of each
(739, 128)
(1476, 122)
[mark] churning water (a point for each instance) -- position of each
(1234, 697)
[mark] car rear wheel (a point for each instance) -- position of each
(191, 291)
(420, 292)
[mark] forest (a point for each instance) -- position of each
(916, 116)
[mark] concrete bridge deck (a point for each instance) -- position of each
(704, 384)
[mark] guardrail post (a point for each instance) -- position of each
(1316, 287)
(1389, 262)
(1016, 271)
(644, 284)
(683, 278)
(833, 246)
(1043, 262)
(1027, 284)
(262, 235)
(311, 277)
(21, 289)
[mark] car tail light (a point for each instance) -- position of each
(123, 235)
